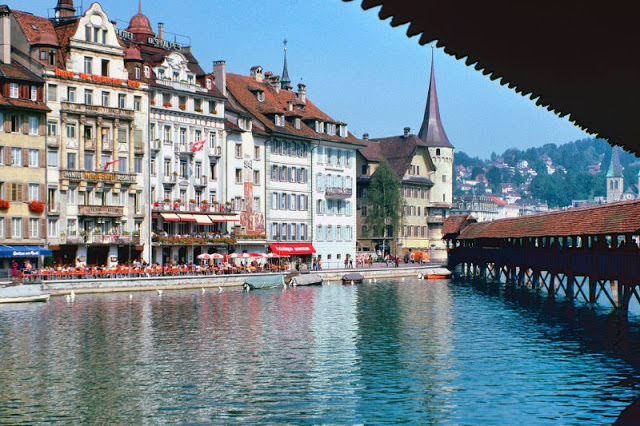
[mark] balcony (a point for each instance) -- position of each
(338, 193)
(155, 145)
(53, 141)
(215, 152)
(97, 110)
(170, 179)
(201, 181)
(435, 219)
(89, 144)
(107, 145)
(184, 148)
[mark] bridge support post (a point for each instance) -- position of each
(536, 280)
(551, 288)
(569, 287)
(593, 287)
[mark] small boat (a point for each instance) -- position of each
(23, 293)
(263, 281)
(435, 274)
(306, 279)
(352, 278)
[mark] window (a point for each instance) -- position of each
(33, 191)
(147, 72)
(52, 128)
(137, 102)
(71, 131)
(34, 93)
(34, 225)
(71, 160)
(444, 178)
(212, 169)
(34, 158)
(122, 134)
(1, 122)
(52, 158)
(256, 153)
(71, 94)
(105, 67)
(16, 227)
(1, 163)
(297, 123)
(15, 123)
(183, 136)
(256, 177)
(137, 73)
(34, 126)
(2, 228)
(105, 99)
(14, 91)
(87, 64)
(89, 163)
(137, 164)
(122, 101)
(183, 168)
(52, 226)
(122, 165)
(52, 92)
(437, 151)
(88, 96)
(238, 175)
(16, 156)
(212, 139)
(238, 150)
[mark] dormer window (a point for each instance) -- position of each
(319, 127)
(190, 78)
(208, 84)
(331, 129)
(260, 95)
(343, 131)
(147, 71)
(137, 73)
(279, 120)
(34, 93)
(161, 73)
(297, 123)
(14, 91)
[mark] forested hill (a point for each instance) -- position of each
(553, 173)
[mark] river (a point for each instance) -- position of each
(385, 352)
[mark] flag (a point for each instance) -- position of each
(109, 163)
(197, 146)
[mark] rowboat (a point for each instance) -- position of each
(306, 279)
(263, 281)
(23, 293)
(435, 274)
(352, 278)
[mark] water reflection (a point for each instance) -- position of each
(412, 351)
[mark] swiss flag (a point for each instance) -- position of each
(110, 163)
(197, 146)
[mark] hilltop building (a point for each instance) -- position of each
(424, 164)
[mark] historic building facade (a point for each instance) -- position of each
(22, 156)
(424, 165)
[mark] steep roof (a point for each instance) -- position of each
(454, 224)
(540, 51)
(398, 150)
(615, 168)
(36, 28)
(243, 89)
(432, 131)
(613, 218)
(15, 71)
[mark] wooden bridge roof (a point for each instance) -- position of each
(572, 57)
(606, 219)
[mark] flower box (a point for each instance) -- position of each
(36, 206)
(182, 107)
(4, 204)
(167, 104)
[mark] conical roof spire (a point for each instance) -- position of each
(432, 131)
(285, 81)
(615, 168)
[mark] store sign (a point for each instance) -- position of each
(78, 175)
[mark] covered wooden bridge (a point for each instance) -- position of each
(591, 253)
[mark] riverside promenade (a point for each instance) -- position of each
(113, 285)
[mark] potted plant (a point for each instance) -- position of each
(198, 109)
(36, 206)
(192, 201)
(167, 200)
(167, 104)
(4, 204)
(183, 106)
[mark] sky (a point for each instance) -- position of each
(357, 68)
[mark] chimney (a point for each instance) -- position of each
(5, 35)
(274, 81)
(220, 76)
(256, 73)
(406, 131)
(365, 136)
(160, 30)
(302, 93)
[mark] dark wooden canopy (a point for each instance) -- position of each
(573, 57)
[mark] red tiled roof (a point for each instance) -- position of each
(34, 27)
(613, 218)
(22, 104)
(398, 150)
(65, 32)
(15, 71)
(242, 87)
(453, 225)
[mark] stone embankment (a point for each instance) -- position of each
(112, 285)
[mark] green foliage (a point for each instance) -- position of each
(384, 199)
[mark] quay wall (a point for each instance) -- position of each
(112, 285)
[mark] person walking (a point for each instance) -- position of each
(14, 269)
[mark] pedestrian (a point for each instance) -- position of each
(350, 261)
(14, 269)
(370, 260)
(397, 260)
(346, 261)
(319, 263)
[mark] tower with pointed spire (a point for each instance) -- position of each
(64, 9)
(140, 26)
(285, 81)
(433, 135)
(615, 179)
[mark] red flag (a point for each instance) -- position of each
(109, 163)
(197, 146)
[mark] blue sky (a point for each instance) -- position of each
(357, 68)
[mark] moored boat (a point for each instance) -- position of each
(306, 279)
(352, 278)
(263, 281)
(23, 293)
(435, 274)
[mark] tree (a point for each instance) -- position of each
(385, 201)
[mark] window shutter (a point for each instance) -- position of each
(42, 153)
(25, 157)
(43, 228)
(7, 227)
(25, 228)
(7, 155)
(24, 192)
(41, 196)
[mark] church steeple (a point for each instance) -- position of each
(615, 179)
(432, 131)
(615, 168)
(285, 81)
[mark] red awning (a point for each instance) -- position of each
(170, 217)
(287, 249)
(186, 217)
(202, 219)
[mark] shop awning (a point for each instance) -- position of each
(224, 218)
(170, 217)
(292, 248)
(24, 251)
(185, 217)
(202, 219)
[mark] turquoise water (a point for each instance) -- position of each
(386, 352)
